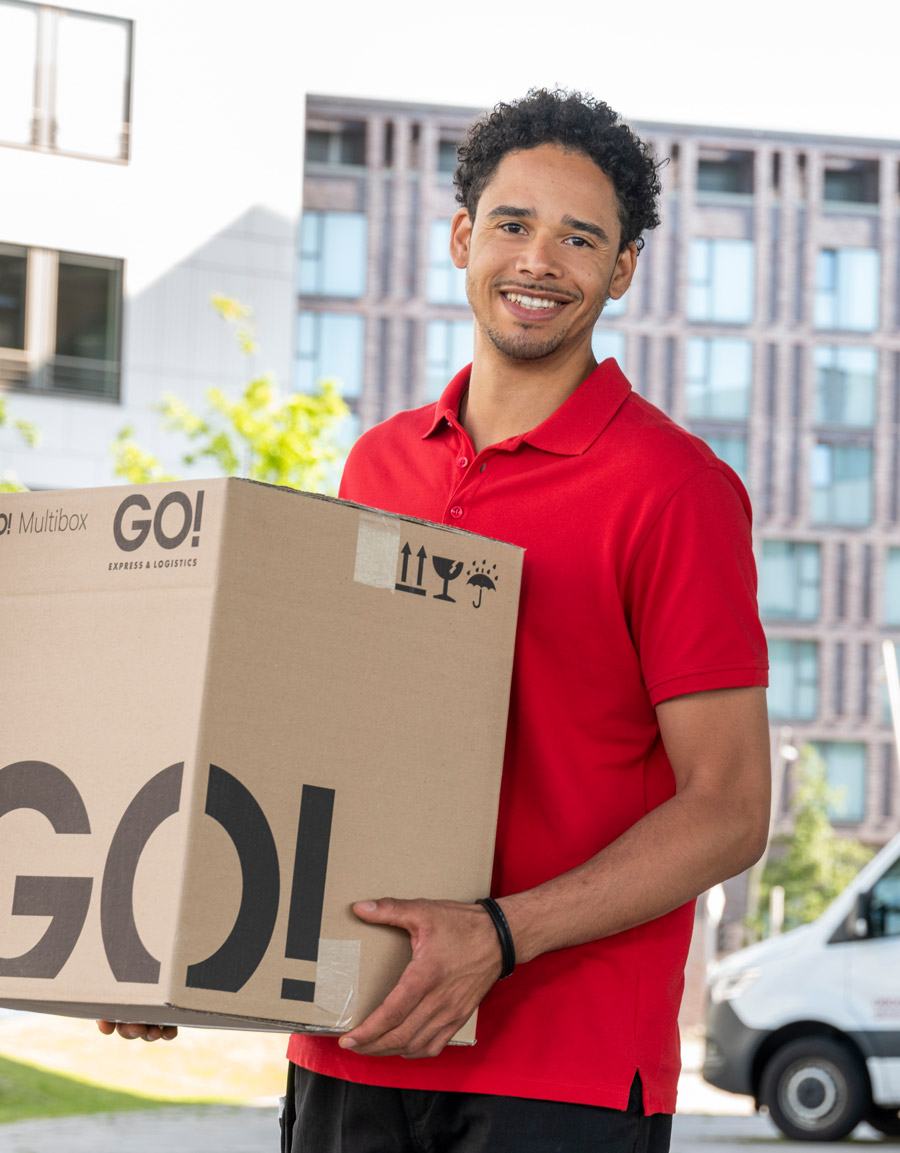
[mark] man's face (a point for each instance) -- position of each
(542, 254)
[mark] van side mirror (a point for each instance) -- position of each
(858, 917)
(856, 925)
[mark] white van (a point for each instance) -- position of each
(809, 1023)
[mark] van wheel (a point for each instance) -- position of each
(815, 1089)
(886, 1121)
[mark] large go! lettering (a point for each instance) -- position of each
(46, 789)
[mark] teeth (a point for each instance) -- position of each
(530, 301)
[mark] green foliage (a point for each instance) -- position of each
(28, 434)
(27, 1091)
(260, 434)
(813, 864)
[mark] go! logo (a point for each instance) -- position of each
(46, 789)
(168, 531)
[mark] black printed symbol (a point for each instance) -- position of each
(401, 585)
(448, 570)
(479, 579)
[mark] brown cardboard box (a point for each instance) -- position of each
(230, 710)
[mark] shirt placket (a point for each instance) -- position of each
(468, 470)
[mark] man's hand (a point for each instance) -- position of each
(132, 1032)
(456, 959)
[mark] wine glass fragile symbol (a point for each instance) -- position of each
(448, 570)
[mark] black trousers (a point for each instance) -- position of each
(334, 1116)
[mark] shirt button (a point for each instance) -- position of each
(463, 461)
(456, 512)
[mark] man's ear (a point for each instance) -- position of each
(460, 235)
(624, 271)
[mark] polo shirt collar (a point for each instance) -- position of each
(569, 431)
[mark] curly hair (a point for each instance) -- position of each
(577, 123)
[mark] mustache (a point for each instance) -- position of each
(536, 290)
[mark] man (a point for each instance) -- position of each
(636, 772)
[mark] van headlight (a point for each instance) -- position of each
(730, 986)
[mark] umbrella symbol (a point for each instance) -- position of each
(481, 581)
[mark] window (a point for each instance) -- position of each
(841, 484)
(65, 80)
(789, 580)
(341, 146)
(446, 283)
(448, 348)
(13, 266)
(725, 172)
(892, 587)
(88, 323)
(850, 181)
(718, 378)
(330, 346)
(793, 680)
(884, 906)
(333, 254)
(73, 340)
(845, 385)
(845, 773)
(720, 281)
(730, 447)
(447, 156)
(606, 342)
(847, 289)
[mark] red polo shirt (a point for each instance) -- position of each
(639, 585)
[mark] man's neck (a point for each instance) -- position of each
(510, 397)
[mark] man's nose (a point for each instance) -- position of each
(539, 257)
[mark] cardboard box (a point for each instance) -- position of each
(230, 710)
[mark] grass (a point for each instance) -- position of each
(201, 1065)
(27, 1091)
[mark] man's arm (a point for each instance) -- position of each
(712, 828)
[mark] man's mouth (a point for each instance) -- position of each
(534, 303)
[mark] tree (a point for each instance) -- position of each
(28, 434)
(260, 434)
(812, 864)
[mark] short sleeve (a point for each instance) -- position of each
(691, 593)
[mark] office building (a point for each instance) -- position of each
(763, 316)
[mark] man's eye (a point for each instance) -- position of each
(579, 242)
(512, 226)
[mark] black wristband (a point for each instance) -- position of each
(507, 948)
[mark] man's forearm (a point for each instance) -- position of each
(652, 868)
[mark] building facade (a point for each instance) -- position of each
(141, 172)
(765, 317)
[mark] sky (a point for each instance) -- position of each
(794, 65)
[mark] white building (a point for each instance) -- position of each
(150, 155)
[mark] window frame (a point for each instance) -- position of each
(33, 369)
(44, 89)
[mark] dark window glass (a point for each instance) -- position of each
(855, 182)
(352, 148)
(88, 322)
(317, 147)
(13, 266)
(733, 173)
(447, 156)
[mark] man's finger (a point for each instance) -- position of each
(131, 1031)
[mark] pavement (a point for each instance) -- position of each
(708, 1121)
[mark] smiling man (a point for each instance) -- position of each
(636, 771)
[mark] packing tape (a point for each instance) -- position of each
(337, 979)
(377, 549)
